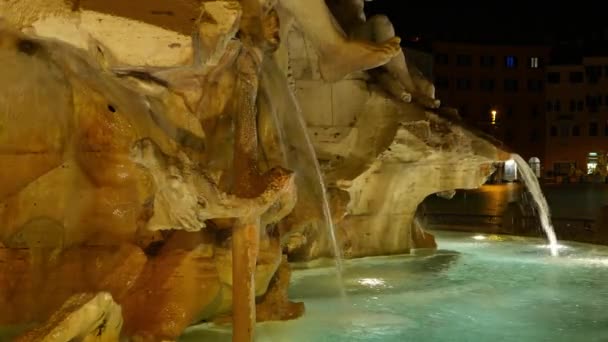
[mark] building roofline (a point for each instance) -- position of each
(494, 43)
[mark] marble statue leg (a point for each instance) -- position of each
(380, 28)
(338, 55)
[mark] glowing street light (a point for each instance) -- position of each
(493, 112)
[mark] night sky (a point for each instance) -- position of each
(510, 23)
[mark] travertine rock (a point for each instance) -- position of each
(275, 305)
(37, 281)
(413, 153)
(83, 317)
(174, 289)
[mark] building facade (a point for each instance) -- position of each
(499, 89)
(577, 117)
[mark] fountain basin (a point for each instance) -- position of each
(476, 288)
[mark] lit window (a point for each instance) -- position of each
(493, 113)
(534, 62)
(592, 160)
(591, 168)
(510, 62)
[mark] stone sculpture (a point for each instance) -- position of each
(145, 179)
(397, 78)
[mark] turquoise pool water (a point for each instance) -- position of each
(475, 288)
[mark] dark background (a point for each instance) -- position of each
(496, 22)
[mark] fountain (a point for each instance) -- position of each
(161, 176)
(531, 182)
(293, 136)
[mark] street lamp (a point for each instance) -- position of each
(493, 112)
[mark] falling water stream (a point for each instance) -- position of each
(533, 186)
(293, 133)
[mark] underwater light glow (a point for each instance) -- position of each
(371, 282)
(556, 247)
(594, 261)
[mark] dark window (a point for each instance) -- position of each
(553, 131)
(442, 58)
(509, 111)
(534, 112)
(464, 60)
(442, 82)
(487, 61)
(534, 135)
(557, 106)
(553, 77)
(593, 103)
(549, 106)
(576, 131)
(593, 129)
(510, 85)
(535, 85)
(580, 106)
(511, 62)
(593, 73)
(487, 84)
(605, 100)
(463, 83)
(573, 105)
(593, 79)
(576, 77)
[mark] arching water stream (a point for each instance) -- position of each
(531, 182)
(300, 153)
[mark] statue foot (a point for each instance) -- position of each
(428, 102)
(406, 97)
(356, 55)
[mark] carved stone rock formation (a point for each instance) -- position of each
(83, 317)
(158, 168)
